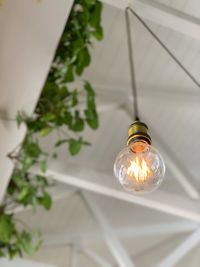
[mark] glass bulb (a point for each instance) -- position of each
(139, 168)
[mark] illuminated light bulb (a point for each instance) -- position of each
(139, 167)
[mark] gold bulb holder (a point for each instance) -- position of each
(138, 132)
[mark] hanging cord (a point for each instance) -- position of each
(132, 69)
(134, 89)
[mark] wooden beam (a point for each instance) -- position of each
(182, 250)
(163, 15)
(116, 248)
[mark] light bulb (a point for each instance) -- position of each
(139, 167)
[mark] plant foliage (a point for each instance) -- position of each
(62, 108)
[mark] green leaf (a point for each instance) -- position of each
(55, 156)
(86, 59)
(45, 201)
(18, 180)
(74, 96)
(60, 142)
(6, 228)
(67, 118)
(27, 163)
(63, 93)
(2, 253)
(26, 243)
(69, 76)
(43, 165)
(45, 131)
(48, 117)
(83, 60)
(90, 91)
(86, 143)
(95, 21)
(98, 33)
(30, 242)
(33, 201)
(34, 125)
(49, 91)
(74, 146)
(11, 188)
(95, 17)
(90, 113)
(23, 193)
(12, 251)
(37, 240)
(32, 150)
(20, 118)
(42, 180)
(78, 123)
(90, 2)
(92, 118)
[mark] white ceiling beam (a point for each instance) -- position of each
(116, 248)
(28, 39)
(127, 232)
(122, 4)
(22, 263)
(162, 201)
(73, 257)
(163, 15)
(95, 258)
(145, 254)
(156, 229)
(105, 107)
(115, 95)
(182, 250)
(178, 170)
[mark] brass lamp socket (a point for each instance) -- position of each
(137, 132)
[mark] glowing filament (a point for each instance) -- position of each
(139, 170)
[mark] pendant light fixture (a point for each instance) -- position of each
(139, 167)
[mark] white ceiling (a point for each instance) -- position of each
(122, 228)
(27, 48)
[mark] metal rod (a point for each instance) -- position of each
(164, 47)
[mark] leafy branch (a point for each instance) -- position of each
(61, 108)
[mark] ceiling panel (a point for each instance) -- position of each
(190, 7)
(153, 66)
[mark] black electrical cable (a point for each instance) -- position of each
(132, 70)
(134, 88)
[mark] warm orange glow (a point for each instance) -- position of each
(139, 170)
